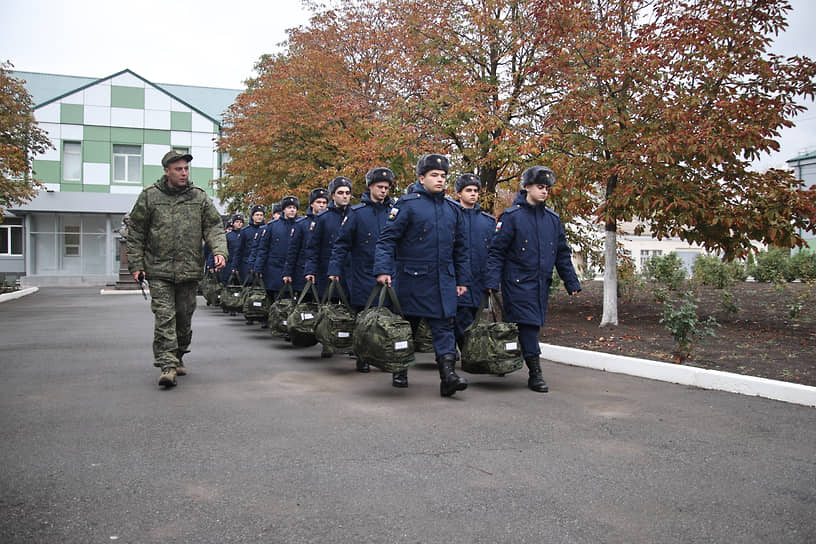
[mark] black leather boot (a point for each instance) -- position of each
(536, 380)
(400, 379)
(361, 365)
(451, 383)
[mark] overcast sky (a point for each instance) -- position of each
(216, 44)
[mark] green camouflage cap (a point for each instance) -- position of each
(173, 156)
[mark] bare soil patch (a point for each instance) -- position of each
(772, 335)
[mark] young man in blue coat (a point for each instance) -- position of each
(233, 241)
(299, 239)
(245, 255)
(273, 244)
(327, 225)
(357, 240)
(479, 227)
(422, 248)
(320, 243)
(529, 241)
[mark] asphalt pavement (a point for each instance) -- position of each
(263, 442)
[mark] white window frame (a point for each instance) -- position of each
(78, 155)
(127, 156)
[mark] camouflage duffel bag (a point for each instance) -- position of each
(256, 301)
(301, 320)
(280, 309)
(491, 347)
(383, 338)
(335, 323)
(231, 294)
(211, 288)
(423, 339)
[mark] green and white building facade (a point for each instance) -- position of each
(109, 136)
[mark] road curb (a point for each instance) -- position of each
(685, 375)
(5, 297)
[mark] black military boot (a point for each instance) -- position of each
(400, 379)
(536, 380)
(451, 383)
(361, 365)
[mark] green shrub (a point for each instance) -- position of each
(628, 281)
(802, 266)
(772, 266)
(667, 270)
(712, 271)
(685, 325)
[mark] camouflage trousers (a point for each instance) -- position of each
(173, 305)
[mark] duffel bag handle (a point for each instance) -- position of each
(287, 287)
(309, 287)
(382, 290)
(234, 279)
(496, 303)
(335, 284)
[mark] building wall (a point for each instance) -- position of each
(109, 138)
(123, 111)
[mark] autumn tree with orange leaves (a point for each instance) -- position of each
(380, 83)
(20, 140)
(660, 107)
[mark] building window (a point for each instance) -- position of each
(646, 254)
(71, 161)
(11, 237)
(127, 163)
(70, 240)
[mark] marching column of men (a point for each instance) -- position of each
(440, 255)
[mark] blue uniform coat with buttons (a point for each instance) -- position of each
(271, 252)
(318, 250)
(528, 242)
(358, 238)
(423, 246)
(233, 242)
(296, 253)
(244, 257)
(479, 228)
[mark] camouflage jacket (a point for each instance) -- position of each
(166, 229)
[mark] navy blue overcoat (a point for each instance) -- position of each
(528, 242)
(423, 247)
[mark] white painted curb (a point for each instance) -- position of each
(17, 294)
(686, 375)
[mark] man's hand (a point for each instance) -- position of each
(309, 277)
(287, 279)
(137, 274)
(334, 278)
(384, 279)
(461, 290)
(220, 262)
(574, 292)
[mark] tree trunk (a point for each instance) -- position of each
(610, 301)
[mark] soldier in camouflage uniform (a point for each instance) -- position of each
(167, 225)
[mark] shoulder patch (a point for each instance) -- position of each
(343, 222)
(408, 197)
(498, 226)
(393, 213)
(312, 225)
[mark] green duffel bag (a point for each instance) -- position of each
(231, 294)
(301, 321)
(423, 339)
(280, 309)
(383, 338)
(256, 301)
(335, 323)
(491, 347)
(211, 288)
